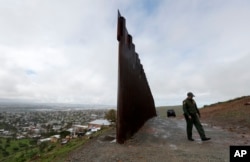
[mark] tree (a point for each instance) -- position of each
(63, 134)
(33, 142)
(111, 115)
(5, 153)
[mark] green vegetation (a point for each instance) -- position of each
(7, 126)
(12, 150)
(111, 115)
(10, 146)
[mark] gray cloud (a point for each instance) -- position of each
(60, 51)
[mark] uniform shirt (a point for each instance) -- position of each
(190, 107)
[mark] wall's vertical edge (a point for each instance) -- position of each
(135, 103)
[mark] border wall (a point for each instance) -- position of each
(135, 103)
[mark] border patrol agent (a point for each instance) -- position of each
(191, 114)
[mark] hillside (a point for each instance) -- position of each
(163, 137)
(233, 115)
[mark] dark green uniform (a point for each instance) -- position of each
(190, 109)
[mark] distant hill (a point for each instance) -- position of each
(233, 115)
(6, 106)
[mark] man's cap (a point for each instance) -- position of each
(190, 94)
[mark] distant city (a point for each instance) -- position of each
(30, 120)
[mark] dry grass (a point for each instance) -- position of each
(233, 115)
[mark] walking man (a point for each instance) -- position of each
(192, 115)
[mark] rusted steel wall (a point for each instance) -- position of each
(135, 103)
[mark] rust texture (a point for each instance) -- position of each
(135, 103)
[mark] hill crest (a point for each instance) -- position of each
(232, 114)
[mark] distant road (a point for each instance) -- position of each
(161, 140)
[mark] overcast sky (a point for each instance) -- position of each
(66, 50)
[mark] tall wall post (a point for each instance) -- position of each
(135, 103)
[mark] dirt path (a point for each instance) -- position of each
(161, 140)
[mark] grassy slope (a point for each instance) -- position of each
(233, 114)
(52, 152)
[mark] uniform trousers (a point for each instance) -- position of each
(196, 122)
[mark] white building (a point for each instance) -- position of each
(98, 123)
